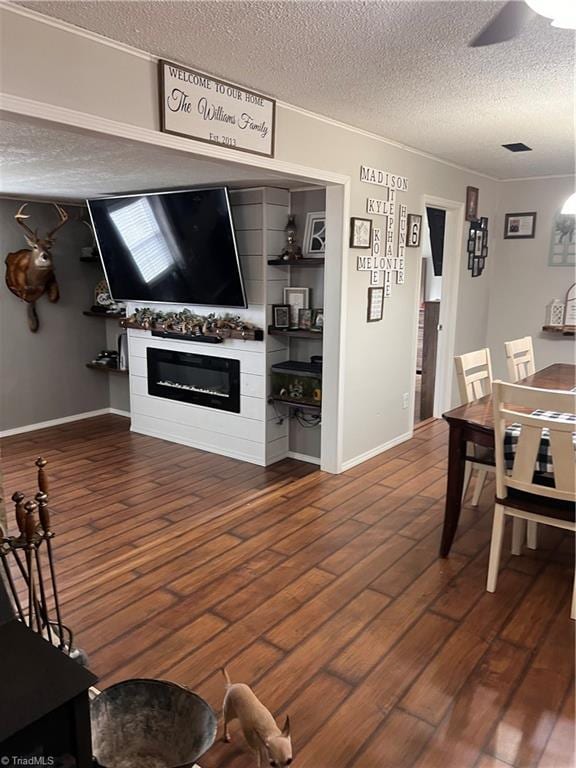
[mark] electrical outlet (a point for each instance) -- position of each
(405, 400)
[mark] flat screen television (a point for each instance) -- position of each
(170, 247)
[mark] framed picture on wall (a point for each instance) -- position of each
(360, 232)
(479, 242)
(414, 226)
(375, 304)
(471, 203)
(520, 226)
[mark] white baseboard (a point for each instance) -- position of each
(199, 445)
(375, 451)
(303, 457)
(63, 420)
(118, 412)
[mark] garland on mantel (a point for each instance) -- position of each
(188, 323)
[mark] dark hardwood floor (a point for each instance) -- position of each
(323, 592)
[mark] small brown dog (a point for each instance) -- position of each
(272, 745)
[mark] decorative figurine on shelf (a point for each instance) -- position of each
(292, 251)
(30, 271)
(191, 324)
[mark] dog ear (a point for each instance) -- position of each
(286, 729)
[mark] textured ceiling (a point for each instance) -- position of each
(41, 159)
(400, 69)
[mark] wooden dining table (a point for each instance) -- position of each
(474, 423)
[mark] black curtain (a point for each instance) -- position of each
(436, 225)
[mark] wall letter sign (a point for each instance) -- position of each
(200, 107)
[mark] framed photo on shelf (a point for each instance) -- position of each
(360, 232)
(281, 316)
(414, 226)
(317, 320)
(520, 226)
(296, 298)
(471, 203)
(315, 234)
(305, 319)
(375, 304)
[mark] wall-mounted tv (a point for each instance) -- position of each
(170, 247)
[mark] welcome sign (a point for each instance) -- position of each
(200, 107)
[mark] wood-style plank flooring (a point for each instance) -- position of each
(323, 592)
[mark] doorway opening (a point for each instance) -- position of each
(433, 237)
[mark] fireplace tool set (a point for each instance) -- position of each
(25, 553)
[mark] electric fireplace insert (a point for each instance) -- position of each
(213, 382)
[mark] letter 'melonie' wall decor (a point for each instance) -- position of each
(388, 251)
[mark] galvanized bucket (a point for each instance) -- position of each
(152, 723)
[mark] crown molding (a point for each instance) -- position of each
(541, 178)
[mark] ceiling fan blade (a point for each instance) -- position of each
(507, 24)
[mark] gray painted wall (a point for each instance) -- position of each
(43, 374)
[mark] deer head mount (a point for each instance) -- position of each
(30, 271)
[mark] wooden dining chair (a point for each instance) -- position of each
(518, 493)
(474, 373)
(520, 358)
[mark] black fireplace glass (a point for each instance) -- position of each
(205, 380)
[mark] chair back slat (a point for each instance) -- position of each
(526, 454)
(562, 449)
(474, 372)
(512, 405)
(520, 358)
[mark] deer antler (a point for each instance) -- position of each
(20, 216)
(63, 219)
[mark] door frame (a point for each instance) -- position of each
(453, 235)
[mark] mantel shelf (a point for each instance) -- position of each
(304, 262)
(107, 369)
(565, 330)
(295, 333)
(104, 315)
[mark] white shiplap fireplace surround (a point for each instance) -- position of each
(254, 434)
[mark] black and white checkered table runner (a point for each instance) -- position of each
(544, 458)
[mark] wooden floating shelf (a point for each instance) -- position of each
(296, 404)
(255, 334)
(105, 315)
(295, 333)
(305, 262)
(565, 330)
(107, 369)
